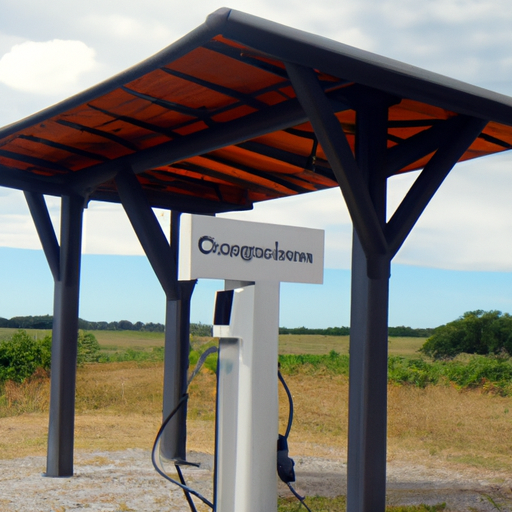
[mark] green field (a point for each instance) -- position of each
(288, 343)
(7, 332)
(320, 344)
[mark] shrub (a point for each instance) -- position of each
(21, 356)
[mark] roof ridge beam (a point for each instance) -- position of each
(331, 136)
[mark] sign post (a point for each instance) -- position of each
(253, 259)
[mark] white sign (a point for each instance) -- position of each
(216, 248)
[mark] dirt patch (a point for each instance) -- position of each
(126, 481)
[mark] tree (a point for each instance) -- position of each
(88, 348)
(475, 332)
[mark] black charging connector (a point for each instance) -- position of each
(284, 463)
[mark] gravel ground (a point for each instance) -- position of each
(126, 481)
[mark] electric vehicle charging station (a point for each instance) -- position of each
(253, 259)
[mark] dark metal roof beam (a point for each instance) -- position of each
(243, 56)
(248, 99)
(26, 180)
(494, 140)
(302, 162)
(45, 231)
(427, 183)
(149, 232)
(197, 113)
(179, 202)
(184, 185)
(242, 184)
(38, 162)
(335, 145)
(261, 174)
(136, 122)
(278, 117)
(64, 147)
(98, 133)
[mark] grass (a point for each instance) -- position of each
(115, 340)
(288, 343)
(7, 332)
(317, 344)
(119, 407)
(338, 504)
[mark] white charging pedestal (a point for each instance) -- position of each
(253, 259)
(247, 403)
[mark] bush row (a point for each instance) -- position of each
(492, 374)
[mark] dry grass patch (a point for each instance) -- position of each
(119, 406)
(32, 395)
(320, 414)
(120, 387)
(443, 423)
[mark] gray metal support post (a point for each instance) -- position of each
(177, 344)
(363, 183)
(366, 480)
(64, 342)
(177, 332)
(366, 476)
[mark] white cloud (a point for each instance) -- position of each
(107, 230)
(125, 28)
(468, 223)
(49, 68)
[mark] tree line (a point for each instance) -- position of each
(196, 329)
(46, 322)
(400, 331)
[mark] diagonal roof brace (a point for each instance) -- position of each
(420, 145)
(149, 232)
(465, 131)
(45, 231)
(335, 145)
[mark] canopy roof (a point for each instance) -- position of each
(212, 122)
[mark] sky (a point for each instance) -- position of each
(458, 256)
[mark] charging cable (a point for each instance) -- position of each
(285, 465)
